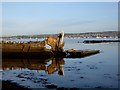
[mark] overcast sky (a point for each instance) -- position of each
(28, 18)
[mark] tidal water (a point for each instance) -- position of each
(96, 71)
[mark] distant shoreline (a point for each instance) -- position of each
(107, 34)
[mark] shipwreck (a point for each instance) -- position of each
(37, 49)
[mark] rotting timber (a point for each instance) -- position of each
(38, 49)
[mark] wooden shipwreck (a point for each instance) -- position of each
(38, 49)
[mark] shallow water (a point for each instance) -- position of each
(96, 71)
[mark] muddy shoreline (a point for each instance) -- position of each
(7, 85)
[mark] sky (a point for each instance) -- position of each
(31, 18)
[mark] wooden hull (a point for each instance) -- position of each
(37, 50)
(44, 54)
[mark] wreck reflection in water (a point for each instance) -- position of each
(50, 65)
(56, 65)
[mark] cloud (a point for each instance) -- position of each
(66, 23)
(30, 27)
